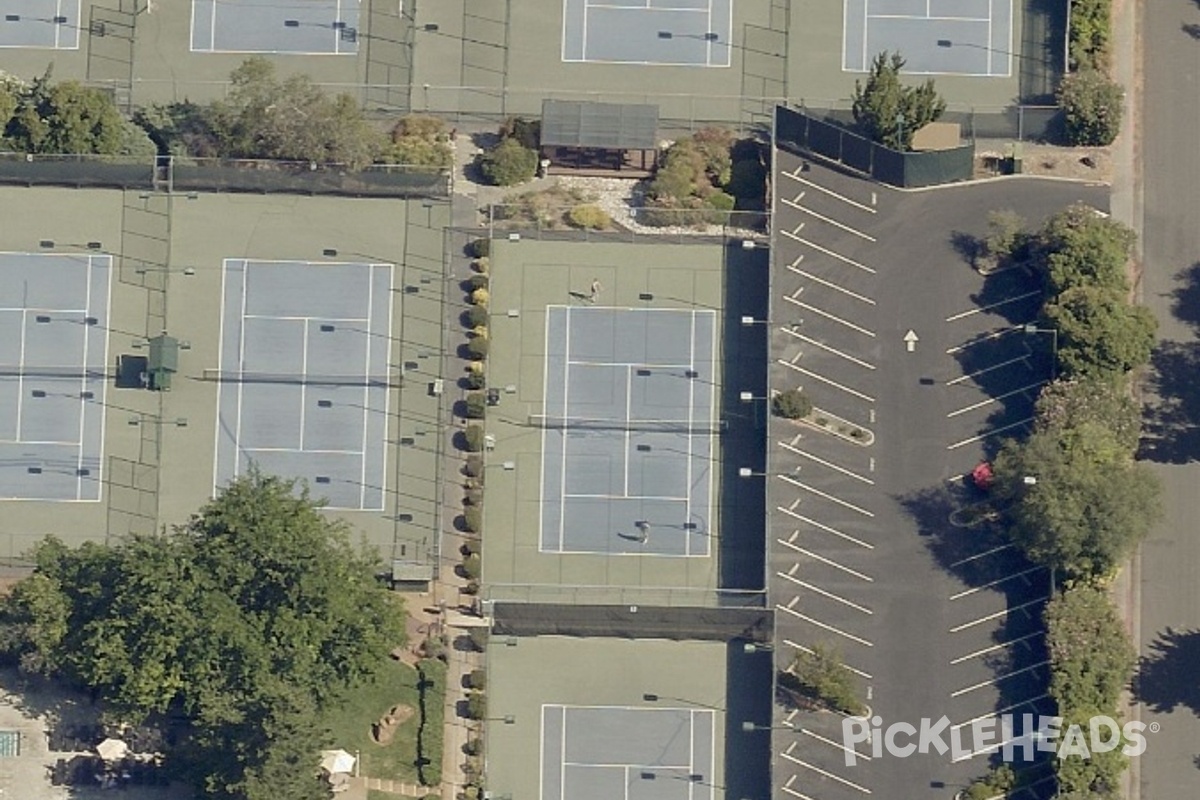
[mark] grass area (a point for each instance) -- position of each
(351, 716)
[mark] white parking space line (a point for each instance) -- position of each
(999, 678)
(986, 370)
(990, 400)
(992, 432)
(796, 177)
(825, 380)
(789, 576)
(999, 711)
(793, 449)
(809, 650)
(984, 554)
(826, 561)
(827, 220)
(827, 315)
(996, 647)
(828, 252)
(792, 513)
(992, 748)
(831, 285)
(826, 495)
(787, 609)
(794, 333)
(822, 772)
(1002, 612)
(996, 582)
(984, 339)
(832, 743)
(990, 306)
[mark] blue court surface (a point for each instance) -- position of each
(629, 435)
(606, 752)
(649, 32)
(307, 27)
(936, 37)
(304, 374)
(53, 374)
(43, 24)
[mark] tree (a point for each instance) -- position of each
(475, 406)
(422, 141)
(791, 404)
(1092, 108)
(1086, 510)
(509, 163)
(65, 117)
(1091, 656)
(820, 674)
(1006, 234)
(1100, 333)
(1094, 404)
(1091, 28)
(1079, 247)
(889, 112)
(474, 437)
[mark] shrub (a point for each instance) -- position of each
(1091, 104)
(480, 297)
(421, 140)
(473, 747)
(1090, 30)
(474, 438)
(1005, 229)
(589, 216)
(473, 467)
(476, 316)
(475, 406)
(475, 380)
(791, 404)
(820, 674)
(473, 519)
(509, 163)
(472, 566)
(477, 679)
(479, 248)
(479, 280)
(721, 201)
(528, 132)
(473, 497)
(477, 347)
(479, 638)
(476, 705)
(482, 264)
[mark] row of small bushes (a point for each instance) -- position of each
(703, 177)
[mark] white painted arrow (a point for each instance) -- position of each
(910, 340)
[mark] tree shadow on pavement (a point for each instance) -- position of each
(956, 547)
(1166, 677)
(1172, 417)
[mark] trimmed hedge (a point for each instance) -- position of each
(473, 519)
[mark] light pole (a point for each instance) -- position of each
(1031, 329)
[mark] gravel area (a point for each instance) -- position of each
(622, 197)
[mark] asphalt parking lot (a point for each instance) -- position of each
(929, 609)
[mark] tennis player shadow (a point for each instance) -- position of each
(582, 297)
(639, 538)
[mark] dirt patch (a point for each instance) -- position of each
(1077, 163)
(383, 730)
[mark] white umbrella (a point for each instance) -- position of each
(112, 749)
(335, 761)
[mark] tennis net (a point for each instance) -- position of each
(72, 373)
(695, 428)
(300, 379)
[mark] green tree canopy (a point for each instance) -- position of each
(246, 620)
(1092, 108)
(1091, 656)
(889, 112)
(1099, 332)
(1083, 248)
(64, 117)
(1097, 404)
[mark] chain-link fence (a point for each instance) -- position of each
(1016, 122)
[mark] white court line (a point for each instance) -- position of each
(237, 431)
(984, 309)
(985, 553)
(1001, 613)
(308, 318)
(986, 370)
(687, 540)
(212, 39)
(629, 425)
(304, 384)
(21, 377)
(220, 388)
(992, 432)
(51, 311)
(999, 711)
(819, 493)
(366, 395)
(995, 647)
(938, 19)
(582, 57)
(990, 400)
(996, 582)
(999, 678)
(823, 379)
(299, 450)
(827, 251)
(826, 774)
(831, 285)
(796, 177)
(337, 34)
(827, 315)
(826, 348)
(788, 576)
(562, 491)
(827, 220)
(87, 330)
(991, 13)
(801, 647)
(826, 528)
(636, 364)
(621, 496)
(865, 31)
(789, 610)
(832, 743)
(793, 449)
(826, 561)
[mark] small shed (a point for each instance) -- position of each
(599, 138)
(162, 363)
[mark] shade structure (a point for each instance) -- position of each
(337, 761)
(112, 749)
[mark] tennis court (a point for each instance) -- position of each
(602, 752)
(54, 345)
(649, 32)
(630, 432)
(305, 376)
(936, 37)
(305, 27)
(43, 24)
